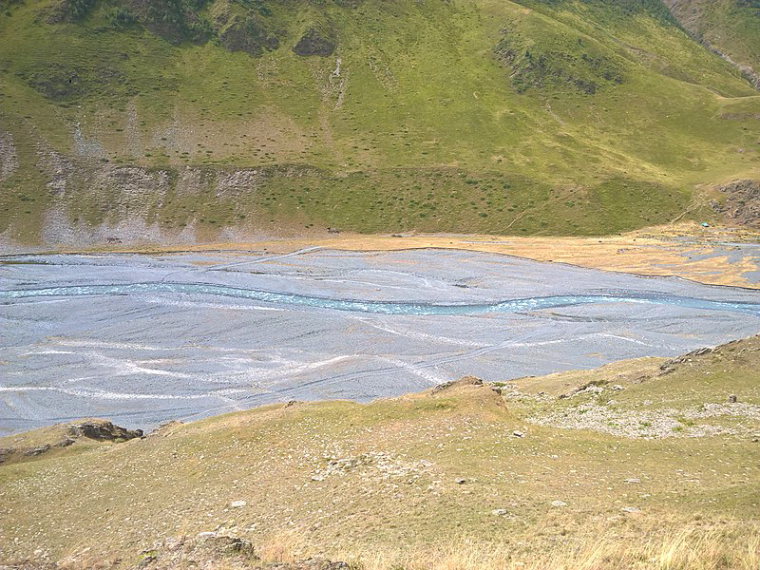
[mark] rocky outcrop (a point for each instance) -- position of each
(88, 202)
(740, 203)
(61, 436)
(672, 365)
(454, 384)
(58, 169)
(488, 396)
(130, 188)
(11, 453)
(102, 430)
(207, 550)
(239, 181)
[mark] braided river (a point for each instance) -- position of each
(145, 339)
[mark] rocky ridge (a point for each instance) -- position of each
(740, 202)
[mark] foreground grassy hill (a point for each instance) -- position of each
(640, 464)
(189, 120)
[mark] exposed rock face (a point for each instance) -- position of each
(92, 202)
(135, 187)
(58, 168)
(239, 181)
(742, 202)
(102, 430)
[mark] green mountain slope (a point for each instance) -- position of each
(731, 27)
(199, 119)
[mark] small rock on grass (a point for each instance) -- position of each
(631, 510)
(500, 512)
(238, 504)
(558, 504)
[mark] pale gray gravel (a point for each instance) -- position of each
(147, 355)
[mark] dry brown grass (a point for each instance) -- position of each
(281, 547)
(691, 547)
(674, 250)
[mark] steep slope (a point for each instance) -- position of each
(730, 27)
(194, 120)
(642, 464)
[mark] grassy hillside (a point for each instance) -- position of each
(641, 464)
(538, 116)
(730, 26)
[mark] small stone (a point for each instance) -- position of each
(631, 510)
(617, 387)
(518, 434)
(238, 504)
(558, 504)
(206, 534)
(633, 480)
(500, 512)
(732, 399)
(460, 481)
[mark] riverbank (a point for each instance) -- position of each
(711, 255)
